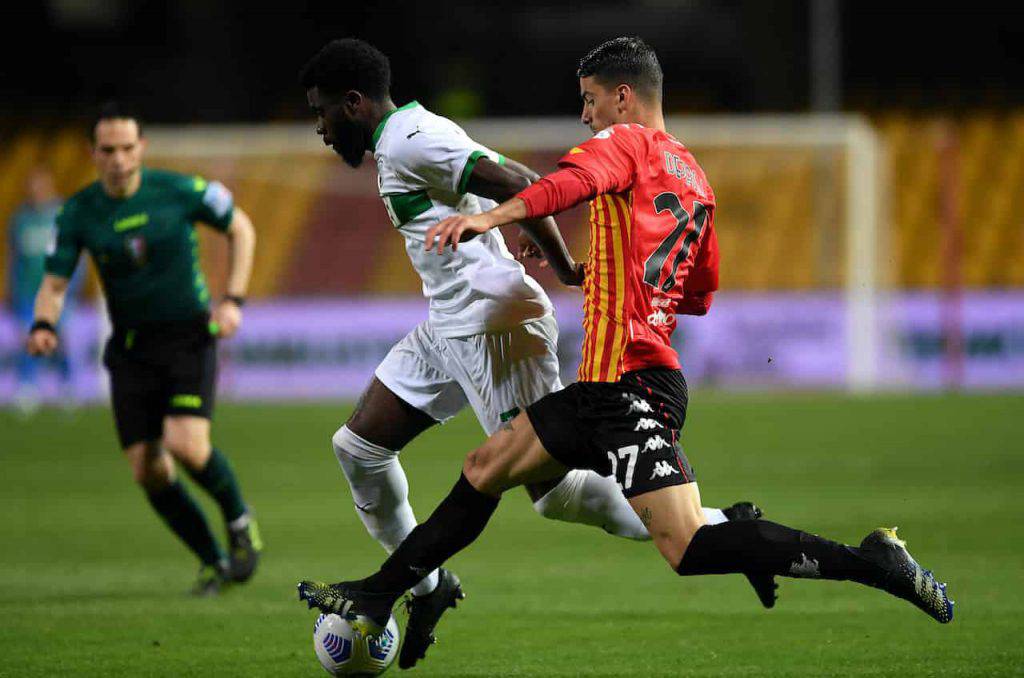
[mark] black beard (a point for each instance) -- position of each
(352, 157)
(351, 146)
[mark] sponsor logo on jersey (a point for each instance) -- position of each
(661, 302)
(659, 318)
(134, 221)
(656, 443)
(663, 469)
(648, 424)
(807, 567)
(638, 405)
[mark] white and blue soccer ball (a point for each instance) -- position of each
(347, 648)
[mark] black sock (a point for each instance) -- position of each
(183, 515)
(219, 480)
(454, 525)
(764, 547)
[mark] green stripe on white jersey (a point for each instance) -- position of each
(424, 164)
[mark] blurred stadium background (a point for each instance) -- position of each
(871, 200)
(868, 158)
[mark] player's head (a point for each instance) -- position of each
(39, 187)
(346, 83)
(117, 146)
(617, 78)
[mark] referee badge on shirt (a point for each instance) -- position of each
(136, 247)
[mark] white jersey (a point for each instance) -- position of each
(424, 162)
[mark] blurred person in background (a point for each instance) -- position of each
(32, 233)
(138, 224)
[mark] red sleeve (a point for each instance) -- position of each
(702, 282)
(557, 192)
(606, 163)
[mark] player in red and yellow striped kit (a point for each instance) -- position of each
(653, 249)
(653, 254)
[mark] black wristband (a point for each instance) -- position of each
(236, 300)
(43, 325)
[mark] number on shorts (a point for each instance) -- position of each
(631, 451)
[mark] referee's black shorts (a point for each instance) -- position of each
(629, 428)
(160, 370)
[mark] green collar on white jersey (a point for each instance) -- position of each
(383, 121)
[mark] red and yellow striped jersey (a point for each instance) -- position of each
(653, 249)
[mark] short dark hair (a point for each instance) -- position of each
(349, 64)
(114, 110)
(627, 60)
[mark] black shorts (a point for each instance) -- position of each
(157, 371)
(629, 429)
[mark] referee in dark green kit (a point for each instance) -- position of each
(138, 224)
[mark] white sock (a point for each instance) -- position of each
(592, 499)
(380, 492)
(714, 516)
(240, 523)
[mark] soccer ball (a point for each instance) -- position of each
(345, 648)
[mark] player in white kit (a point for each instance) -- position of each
(490, 338)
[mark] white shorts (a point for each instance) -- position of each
(498, 374)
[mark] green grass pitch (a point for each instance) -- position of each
(91, 584)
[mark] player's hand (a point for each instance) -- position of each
(453, 230)
(577, 277)
(529, 249)
(227, 317)
(42, 342)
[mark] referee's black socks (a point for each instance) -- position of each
(764, 547)
(219, 480)
(183, 515)
(454, 525)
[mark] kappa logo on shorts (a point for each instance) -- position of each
(656, 443)
(662, 469)
(638, 404)
(648, 424)
(807, 567)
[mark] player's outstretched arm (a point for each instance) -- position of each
(502, 182)
(453, 230)
(42, 338)
(241, 247)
